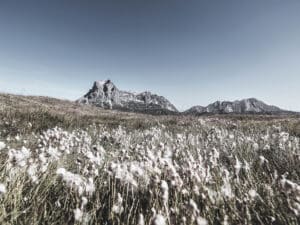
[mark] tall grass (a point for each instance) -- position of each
(60, 168)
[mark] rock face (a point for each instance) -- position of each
(195, 110)
(106, 95)
(245, 106)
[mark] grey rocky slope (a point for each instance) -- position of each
(106, 95)
(245, 106)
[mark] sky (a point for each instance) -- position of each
(193, 52)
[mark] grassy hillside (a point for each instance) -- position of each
(63, 163)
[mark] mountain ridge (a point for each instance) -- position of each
(105, 94)
(244, 106)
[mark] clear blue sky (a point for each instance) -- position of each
(193, 52)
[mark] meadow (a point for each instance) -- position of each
(61, 163)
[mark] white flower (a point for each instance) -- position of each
(159, 220)
(117, 207)
(289, 186)
(76, 181)
(58, 204)
(262, 160)
(226, 190)
(284, 136)
(90, 187)
(32, 172)
(78, 214)
(194, 206)
(2, 188)
(54, 153)
(2, 145)
(165, 191)
(255, 146)
(184, 191)
(252, 193)
(94, 158)
(238, 166)
(225, 221)
(61, 171)
(20, 156)
(201, 221)
(141, 220)
(84, 201)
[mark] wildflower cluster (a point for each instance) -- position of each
(213, 172)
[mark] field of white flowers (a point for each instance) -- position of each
(213, 172)
(208, 170)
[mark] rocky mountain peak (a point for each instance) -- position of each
(106, 95)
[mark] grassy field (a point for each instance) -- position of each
(63, 163)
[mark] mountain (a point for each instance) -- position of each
(195, 110)
(245, 106)
(106, 95)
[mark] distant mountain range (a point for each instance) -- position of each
(245, 106)
(106, 95)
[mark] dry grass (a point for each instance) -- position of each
(121, 166)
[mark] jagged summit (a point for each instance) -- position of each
(106, 95)
(245, 106)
